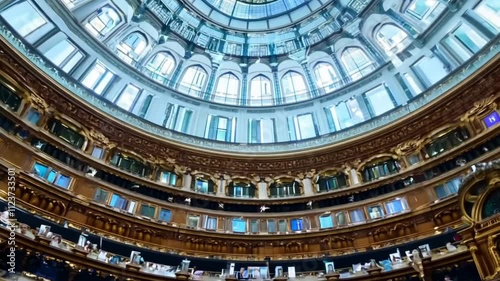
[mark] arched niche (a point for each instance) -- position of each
(170, 175)
(331, 179)
(204, 183)
(14, 95)
(289, 65)
(379, 166)
(200, 60)
(259, 69)
(131, 162)
(285, 186)
(443, 139)
(68, 129)
(232, 68)
(241, 187)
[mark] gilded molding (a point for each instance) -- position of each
(200, 154)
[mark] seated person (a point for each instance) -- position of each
(256, 274)
(57, 241)
(242, 274)
(88, 246)
(46, 233)
(25, 230)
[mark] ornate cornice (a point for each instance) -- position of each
(202, 154)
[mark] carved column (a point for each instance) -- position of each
(277, 88)
(374, 52)
(176, 75)
(344, 76)
(244, 95)
(312, 85)
(211, 82)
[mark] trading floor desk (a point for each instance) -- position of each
(72, 265)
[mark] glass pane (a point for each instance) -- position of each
(441, 191)
(380, 100)
(239, 226)
(375, 212)
(254, 226)
(51, 177)
(40, 170)
(33, 116)
(63, 181)
(470, 38)
(72, 62)
(59, 52)
(128, 97)
(271, 226)
(23, 18)
(147, 211)
(97, 152)
(101, 196)
(357, 216)
(489, 10)
(430, 70)
(325, 222)
(193, 221)
(394, 206)
(282, 226)
(296, 224)
(164, 215)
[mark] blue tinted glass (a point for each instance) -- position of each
(325, 222)
(164, 215)
(440, 191)
(239, 226)
(63, 181)
(33, 117)
(115, 201)
(271, 226)
(394, 207)
(297, 224)
(52, 176)
(40, 170)
(202, 186)
(173, 179)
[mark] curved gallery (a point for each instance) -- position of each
(143, 122)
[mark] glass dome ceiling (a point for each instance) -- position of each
(250, 10)
(244, 16)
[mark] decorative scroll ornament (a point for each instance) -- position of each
(99, 137)
(38, 103)
(170, 161)
(181, 169)
(408, 147)
(481, 107)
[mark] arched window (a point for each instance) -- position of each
(25, 19)
(294, 87)
(260, 91)
(103, 22)
(356, 62)
(389, 37)
(160, 66)
(193, 81)
(421, 9)
(326, 78)
(130, 49)
(228, 87)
